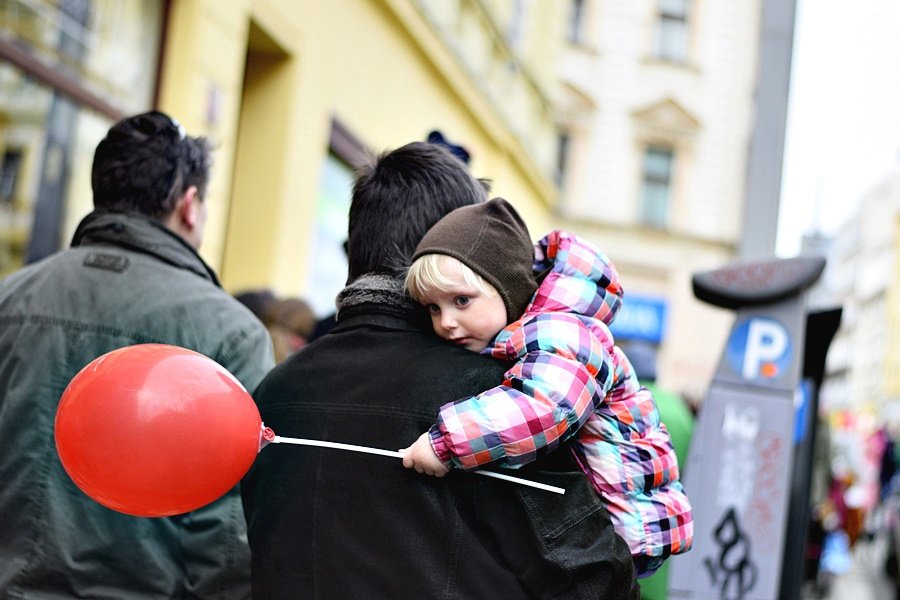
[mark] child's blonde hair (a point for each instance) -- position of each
(491, 239)
(425, 275)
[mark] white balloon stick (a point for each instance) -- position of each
(393, 454)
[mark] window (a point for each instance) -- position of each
(672, 36)
(656, 189)
(62, 84)
(328, 265)
(576, 21)
(564, 142)
(9, 174)
(515, 30)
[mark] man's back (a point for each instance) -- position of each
(57, 316)
(327, 523)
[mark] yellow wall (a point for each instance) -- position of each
(374, 65)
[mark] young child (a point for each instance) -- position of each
(547, 307)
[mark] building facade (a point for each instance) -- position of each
(862, 379)
(67, 71)
(294, 95)
(860, 395)
(661, 100)
(627, 121)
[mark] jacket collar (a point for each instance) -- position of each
(139, 233)
(379, 299)
(371, 316)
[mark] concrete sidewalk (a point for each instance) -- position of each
(866, 579)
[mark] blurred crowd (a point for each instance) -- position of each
(853, 501)
(290, 320)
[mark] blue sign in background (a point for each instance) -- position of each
(802, 401)
(640, 318)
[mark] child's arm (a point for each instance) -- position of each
(421, 457)
(564, 371)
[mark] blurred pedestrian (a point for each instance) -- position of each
(131, 276)
(290, 322)
(258, 301)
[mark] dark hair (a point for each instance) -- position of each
(145, 163)
(397, 198)
(258, 301)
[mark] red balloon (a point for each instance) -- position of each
(154, 430)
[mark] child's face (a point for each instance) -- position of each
(464, 314)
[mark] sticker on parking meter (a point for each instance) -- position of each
(759, 348)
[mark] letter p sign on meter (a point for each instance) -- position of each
(759, 348)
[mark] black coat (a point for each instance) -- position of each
(334, 524)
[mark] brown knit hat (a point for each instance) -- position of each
(491, 239)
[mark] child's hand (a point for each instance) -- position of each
(421, 457)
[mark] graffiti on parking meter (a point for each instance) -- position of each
(737, 469)
(732, 571)
(759, 348)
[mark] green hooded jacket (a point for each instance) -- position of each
(126, 280)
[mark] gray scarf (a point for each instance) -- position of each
(384, 291)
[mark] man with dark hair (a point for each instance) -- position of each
(402, 195)
(327, 523)
(132, 276)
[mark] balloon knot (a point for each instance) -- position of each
(266, 436)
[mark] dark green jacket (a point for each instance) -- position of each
(126, 280)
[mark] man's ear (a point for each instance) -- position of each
(189, 208)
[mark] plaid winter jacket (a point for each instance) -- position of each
(570, 380)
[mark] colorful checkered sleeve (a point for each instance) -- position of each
(563, 370)
(627, 454)
(578, 278)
